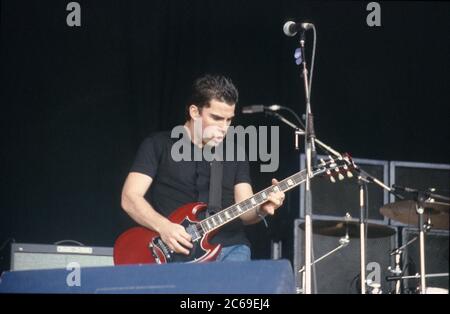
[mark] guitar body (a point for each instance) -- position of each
(140, 245)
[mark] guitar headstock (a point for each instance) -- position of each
(338, 167)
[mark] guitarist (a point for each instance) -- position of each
(157, 185)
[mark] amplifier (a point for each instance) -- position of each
(26, 256)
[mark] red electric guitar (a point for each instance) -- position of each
(140, 245)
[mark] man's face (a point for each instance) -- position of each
(215, 119)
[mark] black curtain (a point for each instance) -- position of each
(77, 101)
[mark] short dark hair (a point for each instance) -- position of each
(209, 87)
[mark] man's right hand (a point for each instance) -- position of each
(176, 237)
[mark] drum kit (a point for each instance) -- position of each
(423, 212)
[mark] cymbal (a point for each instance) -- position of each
(405, 212)
(338, 228)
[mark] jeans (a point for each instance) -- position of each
(234, 253)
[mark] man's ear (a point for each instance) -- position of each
(194, 112)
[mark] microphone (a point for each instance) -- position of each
(259, 108)
(291, 28)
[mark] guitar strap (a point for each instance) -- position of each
(215, 187)
(209, 183)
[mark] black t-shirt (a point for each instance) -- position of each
(176, 183)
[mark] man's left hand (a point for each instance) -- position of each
(275, 200)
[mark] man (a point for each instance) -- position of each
(172, 184)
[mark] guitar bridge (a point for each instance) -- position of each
(157, 243)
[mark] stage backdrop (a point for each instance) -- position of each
(77, 101)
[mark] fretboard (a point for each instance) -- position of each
(228, 214)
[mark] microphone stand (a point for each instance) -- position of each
(309, 151)
(300, 131)
(398, 268)
(421, 197)
(362, 182)
(363, 179)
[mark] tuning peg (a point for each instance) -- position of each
(330, 175)
(341, 177)
(322, 162)
(348, 172)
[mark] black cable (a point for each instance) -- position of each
(312, 60)
(352, 282)
(295, 115)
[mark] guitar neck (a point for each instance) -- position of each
(226, 215)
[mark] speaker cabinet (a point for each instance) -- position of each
(331, 200)
(339, 272)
